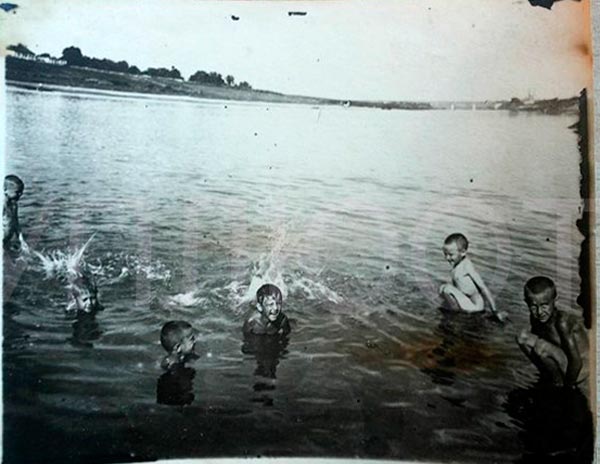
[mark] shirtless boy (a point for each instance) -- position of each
(179, 341)
(267, 318)
(467, 292)
(13, 189)
(557, 342)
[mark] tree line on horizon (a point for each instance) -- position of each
(74, 57)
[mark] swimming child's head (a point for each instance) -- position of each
(178, 337)
(270, 301)
(540, 295)
(84, 293)
(13, 187)
(455, 248)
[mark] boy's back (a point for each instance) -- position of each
(461, 278)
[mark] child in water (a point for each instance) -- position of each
(83, 292)
(179, 340)
(268, 317)
(557, 340)
(467, 292)
(13, 189)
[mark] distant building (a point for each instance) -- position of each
(530, 98)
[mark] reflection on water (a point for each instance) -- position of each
(268, 350)
(86, 330)
(557, 425)
(346, 213)
(463, 347)
(175, 387)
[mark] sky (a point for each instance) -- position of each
(424, 50)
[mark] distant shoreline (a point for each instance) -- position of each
(39, 87)
(40, 76)
(45, 76)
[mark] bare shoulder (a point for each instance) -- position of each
(469, 267)
(462, 267)
(569, 321)
(251, 321)
(252, 316)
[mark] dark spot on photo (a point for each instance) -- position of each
(9, 7)
(545, 3)
(583, 48)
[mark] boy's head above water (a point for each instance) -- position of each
(270, 301)
(178, 337)
(13, 187)
(540, 295)
(84, 294)
(455, 248)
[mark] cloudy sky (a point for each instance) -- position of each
(398, 49)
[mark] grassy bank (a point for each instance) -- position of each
(32, 72)
(42, 73)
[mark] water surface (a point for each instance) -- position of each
(195, 204)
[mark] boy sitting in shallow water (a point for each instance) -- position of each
(13, 189)
(558, 340)
(467, 292)
(268, 317)
(179, 340)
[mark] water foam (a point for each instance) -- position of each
(62, 264)
(116, 267)
(273, 267)
(110, 269)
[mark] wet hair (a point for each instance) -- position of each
(11, 178)
(269, 290)
(539, 284)
(171, 333)
(461, 241)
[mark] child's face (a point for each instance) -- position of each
(187, 342)
(270, 308)
(452, 254)
(541, 305)
(12, 191)
(85, 298)
(88, 300)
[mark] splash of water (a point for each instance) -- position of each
(314, 290)
(293, 279)
(25, 249)
(273, 267)
(187, 299)
(116, 267)
(267, 269)
(62, 264)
